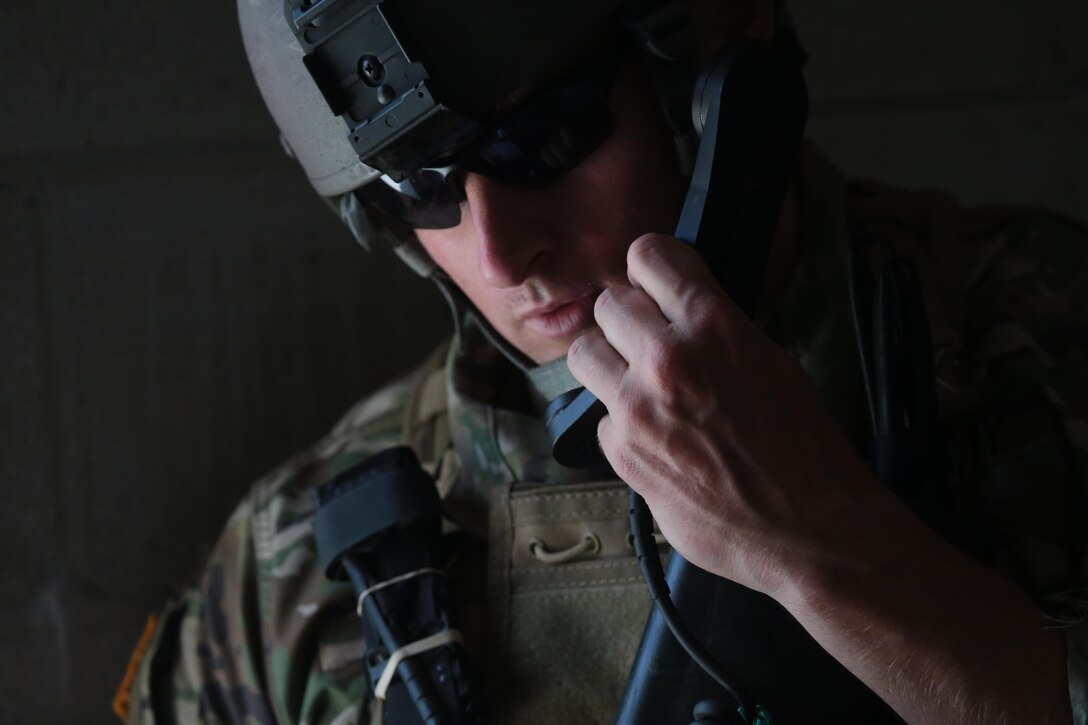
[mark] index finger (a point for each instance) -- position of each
(672, 273)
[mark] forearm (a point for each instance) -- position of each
(938, 637)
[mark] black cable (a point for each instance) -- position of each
(653, 573)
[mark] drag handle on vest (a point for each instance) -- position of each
(749, 108)
(378, 525)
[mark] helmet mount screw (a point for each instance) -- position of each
(371, 70)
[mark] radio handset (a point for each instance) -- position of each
(749, 107)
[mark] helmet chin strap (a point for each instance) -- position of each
(547, 381)
(465, 312)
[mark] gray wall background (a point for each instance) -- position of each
(178, 312)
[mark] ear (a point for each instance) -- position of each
(718, 22)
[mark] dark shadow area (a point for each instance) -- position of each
(179, 312)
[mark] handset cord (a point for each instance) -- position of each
(649, 561)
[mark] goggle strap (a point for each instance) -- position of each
(353, 216)
(663, 29)
(415, 256)
(674, 83)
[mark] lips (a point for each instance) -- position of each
(562, 320)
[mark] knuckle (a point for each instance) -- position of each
(710, 312)
(633, 416)
(605, 300)
(584, 353)
(664, 363)
(623, 464)
(577, 348)
(694, 306)
(645, 250)
(632, 413)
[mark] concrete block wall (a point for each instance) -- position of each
(178, 312)
(988, 100)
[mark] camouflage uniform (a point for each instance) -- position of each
(265, 638)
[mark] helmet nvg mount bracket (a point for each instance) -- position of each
(365, 75)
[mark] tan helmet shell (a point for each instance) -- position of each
(310, 132)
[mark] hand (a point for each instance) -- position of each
(716, 427)
(749, 478)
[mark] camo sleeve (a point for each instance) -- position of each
(264, 638)
(1025, 455)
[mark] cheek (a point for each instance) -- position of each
(633, 195)
(636, 185)
(454, 251)
(451, 249)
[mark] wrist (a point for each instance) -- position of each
(877, 554)
(862, 534)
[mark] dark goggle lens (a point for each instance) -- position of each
(429, 199)
(545, 140)
(533, 147)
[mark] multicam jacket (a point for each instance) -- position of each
(552, 624)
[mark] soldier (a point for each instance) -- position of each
(747, 438)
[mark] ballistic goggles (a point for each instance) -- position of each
(533, 147)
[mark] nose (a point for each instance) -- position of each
(515, 229)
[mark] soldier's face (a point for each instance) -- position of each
(533, 262)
